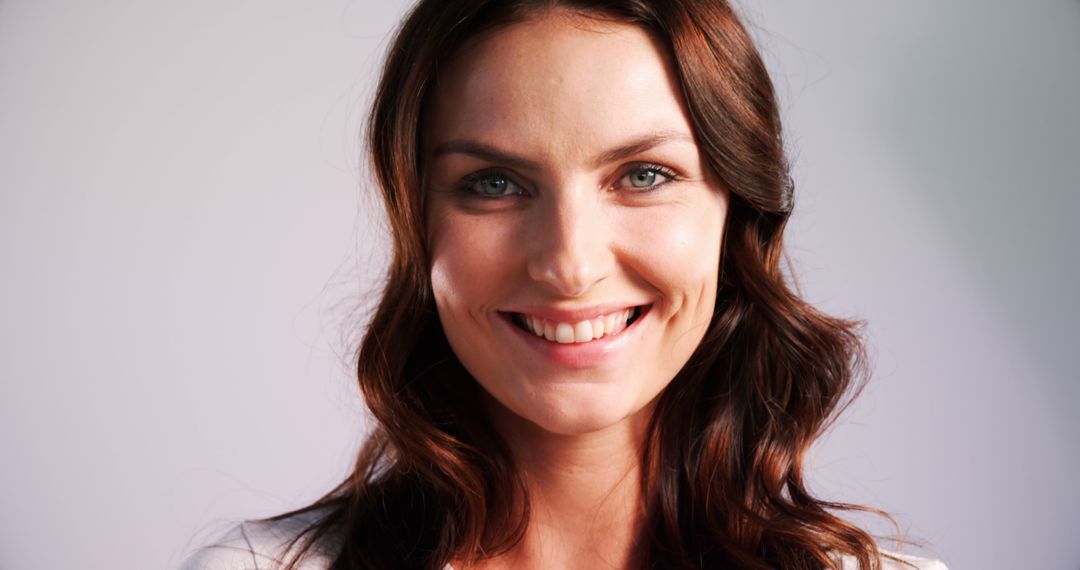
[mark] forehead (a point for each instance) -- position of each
(556, 79)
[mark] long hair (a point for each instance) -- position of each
(723, 476)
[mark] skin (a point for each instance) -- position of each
(556, 92)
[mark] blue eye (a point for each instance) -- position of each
(644, 177)
(495, 184)
(491, 184)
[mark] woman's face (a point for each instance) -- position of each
(565, 194)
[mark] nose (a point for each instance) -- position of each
(569, 246)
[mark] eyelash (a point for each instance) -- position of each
(467, 183)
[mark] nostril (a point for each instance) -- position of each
(571, 267)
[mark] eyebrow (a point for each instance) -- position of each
(629, 148)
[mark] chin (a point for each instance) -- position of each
(577, 424)
(579, 414)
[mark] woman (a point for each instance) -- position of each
(586, 355)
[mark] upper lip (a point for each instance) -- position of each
(570, 314)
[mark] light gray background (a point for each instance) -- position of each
(184, 239)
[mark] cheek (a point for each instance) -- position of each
(470, 260)
(683, 263)
(680, 254)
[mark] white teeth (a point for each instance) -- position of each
(579, 332)
(536, 327)
(583, 331)
(564, 333)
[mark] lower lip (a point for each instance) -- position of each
(578, 354)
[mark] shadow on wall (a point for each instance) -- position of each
(952, 143)
(986, 113)
(983, 111)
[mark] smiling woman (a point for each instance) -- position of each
(543, 230)
(586, 355)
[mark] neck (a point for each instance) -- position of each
(584, 493)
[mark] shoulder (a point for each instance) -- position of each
(258, 545)
(894, 561)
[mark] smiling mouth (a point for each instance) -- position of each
(610, 325)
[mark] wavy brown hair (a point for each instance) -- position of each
(723, 463)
